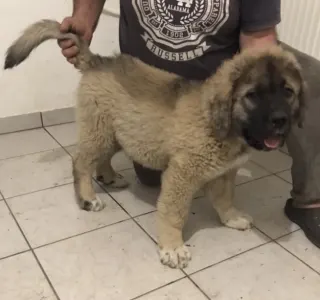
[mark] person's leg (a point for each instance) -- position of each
(304, 148)
(147, 176)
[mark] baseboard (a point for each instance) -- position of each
(36, 120)
(58, 116)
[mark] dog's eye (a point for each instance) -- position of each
(251, 94)
(289, 91)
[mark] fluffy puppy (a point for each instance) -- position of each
(198, 133)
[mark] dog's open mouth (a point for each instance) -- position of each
(273, 142)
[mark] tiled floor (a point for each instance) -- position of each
(50, 249)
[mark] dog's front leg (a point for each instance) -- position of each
(221, 192)
(178, 188)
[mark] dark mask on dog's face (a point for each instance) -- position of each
(268, 102)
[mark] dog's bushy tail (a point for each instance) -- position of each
(44, 30)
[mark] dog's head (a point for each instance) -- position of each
(256, 96)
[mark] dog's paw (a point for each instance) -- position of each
(237, 220)
(93, 205)
(117, 182)
(175, 258)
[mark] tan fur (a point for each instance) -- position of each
(162, 122)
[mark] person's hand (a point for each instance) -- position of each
(79, 26)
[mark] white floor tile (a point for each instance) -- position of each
(116, 263)
(12, 240)
(181, 290)
(65, 134)
(273, 161)
(25, 142)
(71, 149)
(120, 262)
(22, 279)
(209, 241)
(264, 199)
(284, 149)
(286, 175)
(33, 172)
(136, 199)
(250, 171)
(268, 272)
(53, 214)
(299, 245)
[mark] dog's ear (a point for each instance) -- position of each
(295, 68)
(217, 99)
(221, 112)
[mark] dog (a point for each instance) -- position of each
(198, 132)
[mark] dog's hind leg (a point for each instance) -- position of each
(96, 141)
(221, 193)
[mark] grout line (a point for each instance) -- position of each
(41, 118)
(159, 288)
(48, 132)
(131, 217)
(15, 254)
(198, 287)
(277, 175)
(80, 234)
(277, 238)
(253, 180)
(263, 233)
(21, 130)
(284, 152)
(38, 127)
(146, 213)
(104, 189)
(270, 172)
(31, 153)
(317, 272)
(287, 234)
(189, 275)
(41, 190)
(231, 257)
(59, 124)
(32, 251)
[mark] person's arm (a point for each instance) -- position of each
(84, 20)
(258, 23)
(90, 10)
(258, 39)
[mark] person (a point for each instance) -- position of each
(192, 38)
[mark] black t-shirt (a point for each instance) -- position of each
(191, 37)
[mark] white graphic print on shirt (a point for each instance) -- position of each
(176, 30)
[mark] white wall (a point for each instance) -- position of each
(300, 26)
(45, 81)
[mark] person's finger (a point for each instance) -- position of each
(70, 52)
(66, 25)
(71, 60)
(64, 44)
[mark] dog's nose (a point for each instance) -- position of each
(279, 119)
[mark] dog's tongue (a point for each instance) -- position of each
(272, 143)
